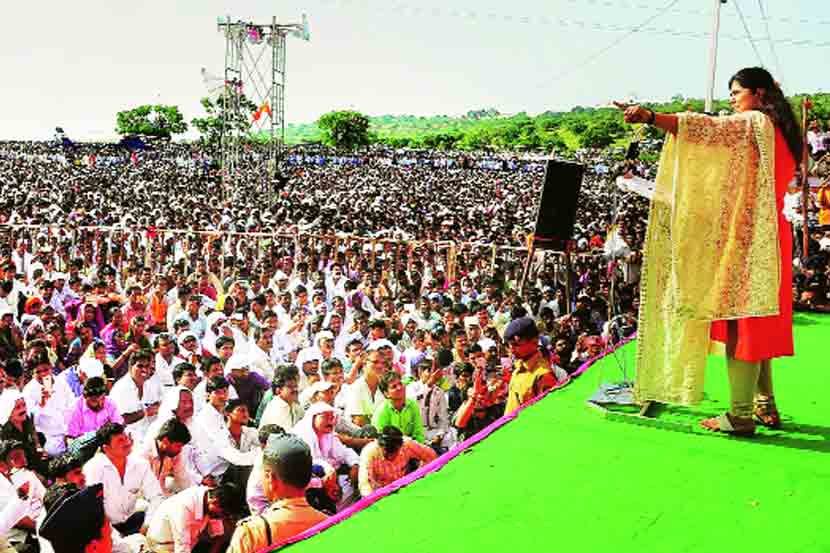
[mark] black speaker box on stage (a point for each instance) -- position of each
(557, 206)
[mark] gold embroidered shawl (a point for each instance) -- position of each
(711, 250)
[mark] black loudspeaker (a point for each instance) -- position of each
(557, 206)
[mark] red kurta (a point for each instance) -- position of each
(761, 338)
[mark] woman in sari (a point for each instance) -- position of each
(92, 315)
(118, 352)
(719, 252)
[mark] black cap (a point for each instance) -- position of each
(523, 327)
(74, 517)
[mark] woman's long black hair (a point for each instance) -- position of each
(774, 104)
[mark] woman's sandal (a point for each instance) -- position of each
(728, 424)
(767, 415)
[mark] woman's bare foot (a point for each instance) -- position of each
(730, 424)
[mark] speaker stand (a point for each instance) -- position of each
(525, 273)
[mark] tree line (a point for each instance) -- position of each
(485, 129)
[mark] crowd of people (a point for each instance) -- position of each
(205, 370)
(382, 194)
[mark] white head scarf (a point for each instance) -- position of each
(167, 411)
(172, 396)
(321, 448)
(8, 399)
(209, 341)
(184, 336)
(306, 355)
(237, 361)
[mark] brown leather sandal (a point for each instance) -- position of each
(766, 414)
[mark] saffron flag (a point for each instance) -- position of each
(264, 108)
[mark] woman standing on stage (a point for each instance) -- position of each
(719, 252)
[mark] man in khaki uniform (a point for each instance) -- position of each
(286, 471)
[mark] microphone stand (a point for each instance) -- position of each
(620, 393)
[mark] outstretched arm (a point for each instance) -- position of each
(639, 114)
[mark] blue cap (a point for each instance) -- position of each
(523, 327)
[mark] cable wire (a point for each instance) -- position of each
(769, 40)
(537, 19)
(748, 34)
(596, 55)
(550, 20)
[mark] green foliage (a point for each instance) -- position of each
(346, 130)
(820, 110)
(210, 126)
(151, 120)
(602, 130)
(487, 129)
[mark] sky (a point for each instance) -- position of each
(77, 64)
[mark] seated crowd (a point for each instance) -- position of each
(205, 391)
(169, 389)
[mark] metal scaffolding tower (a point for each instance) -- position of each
(253, 98)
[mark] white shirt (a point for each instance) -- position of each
(200, 395)
(37, 491)
(260, 362)
(57, 304)
(164, 467)
(284, 343)
(164, 370)
(125, 396)
(411, 354)
(51, 419)
(816, 141)
(120, 496)
(180, 519)
(792, 202)
(12, 508)
(281, 413)
(21, 262)
(248, 440)
(360, 400)
(254, 493)
(216, 448)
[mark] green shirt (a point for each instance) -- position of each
(407, 420)
(263, 403)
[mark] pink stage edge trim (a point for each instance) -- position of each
(438, 463)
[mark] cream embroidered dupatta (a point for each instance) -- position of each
(711, 250)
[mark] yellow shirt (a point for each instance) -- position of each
(524, 377)
(824, 205)
(286, 518)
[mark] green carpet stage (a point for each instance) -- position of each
(565, 475)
